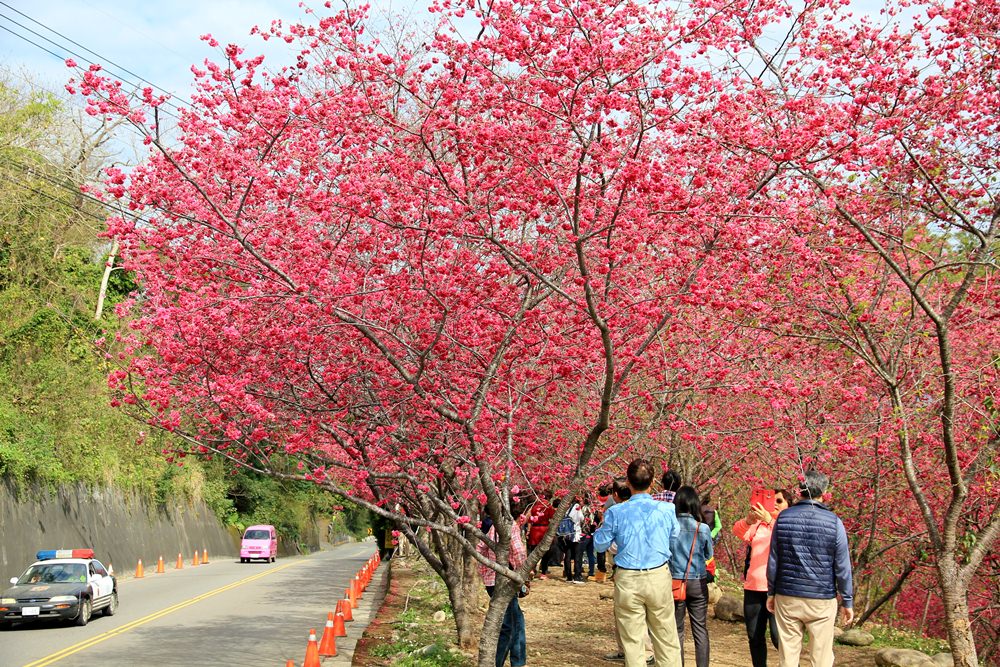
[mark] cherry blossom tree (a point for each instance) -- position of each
(438, 279)
(438, 276)
(891, 123)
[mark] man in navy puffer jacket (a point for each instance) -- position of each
(809, 564)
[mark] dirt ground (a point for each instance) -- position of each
(380, 629)
(571, 626)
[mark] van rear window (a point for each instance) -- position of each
(257, 535)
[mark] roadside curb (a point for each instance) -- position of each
(371, 636)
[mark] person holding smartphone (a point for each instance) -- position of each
(755, 530)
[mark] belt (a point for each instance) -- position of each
(643, 569)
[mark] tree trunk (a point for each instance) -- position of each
(489, 638)
(890, 594)
(109, 266)
(956, 614)
(463, 592)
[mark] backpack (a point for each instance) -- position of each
(565, 528)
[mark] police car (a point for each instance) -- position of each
(67, 584)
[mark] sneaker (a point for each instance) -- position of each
(651, 660)
(543, 576)
(615, 657)
(578, 581)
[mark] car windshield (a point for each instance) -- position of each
(54, 573)
(257, 535)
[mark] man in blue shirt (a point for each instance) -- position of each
(641, 528)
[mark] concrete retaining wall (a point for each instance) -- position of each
(120, 528)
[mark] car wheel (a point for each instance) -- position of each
(243, 560)
(274, 558)
(5, 625)
(86, 607)
(112, 604)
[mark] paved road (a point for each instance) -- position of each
(224, 613)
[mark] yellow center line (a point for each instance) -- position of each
(76, 648)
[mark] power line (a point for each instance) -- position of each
(76, 192)
(53, 198)
(78, 55)
(120, 20)
(34, 172)
(103, 59)
(16, 34)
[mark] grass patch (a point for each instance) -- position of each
(897, 638)
(417, 639)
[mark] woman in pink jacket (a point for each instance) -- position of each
(755, 530)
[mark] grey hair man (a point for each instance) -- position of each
(808, 566)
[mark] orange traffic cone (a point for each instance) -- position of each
(338, 625)
(328, 645)
(344, 607)
(352, 598)
(159, 565)
(290, 663)
(180, 563)
(361, 588)
(138, 570)
(312, 651)
(195, 561)
(204, 556)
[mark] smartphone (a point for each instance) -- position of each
(763, 497)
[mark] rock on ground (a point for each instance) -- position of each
(903, 657)
(729, 608)
(856, 637)
(943, 660)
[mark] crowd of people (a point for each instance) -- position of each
(658, 548)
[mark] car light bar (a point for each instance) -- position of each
(64, 553)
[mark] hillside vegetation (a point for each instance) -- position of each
(56, 424)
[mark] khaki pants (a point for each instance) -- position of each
(643, 600)
(647, 642)
(794, 615)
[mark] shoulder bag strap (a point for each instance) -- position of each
(691, 555)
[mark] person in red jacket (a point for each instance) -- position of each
(538, 523)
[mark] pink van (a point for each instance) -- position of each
(259, 542)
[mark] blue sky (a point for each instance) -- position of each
(159, 41)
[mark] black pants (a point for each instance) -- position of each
(696, 606)
(758, 619)
(572, 558)
(552, 556)
(602, 561)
